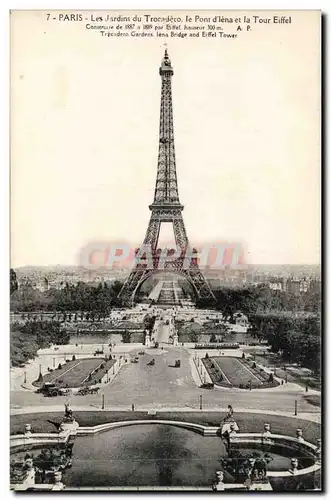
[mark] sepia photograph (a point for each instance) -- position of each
(165, 251)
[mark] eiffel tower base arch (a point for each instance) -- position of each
(137, 278)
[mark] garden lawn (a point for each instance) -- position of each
(73, 373)
(235, 372)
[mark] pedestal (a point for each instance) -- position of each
(70, 427)
(219, 484)
(30, 473)
(294, 465)
(229, 428)
(58, 485)
(27, 430)
(259, 486)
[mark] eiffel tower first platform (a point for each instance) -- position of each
(166, 207)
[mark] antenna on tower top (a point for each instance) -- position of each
(166, 63)
(165, 45)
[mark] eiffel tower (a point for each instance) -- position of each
(166, 207)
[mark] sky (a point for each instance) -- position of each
(84, 139)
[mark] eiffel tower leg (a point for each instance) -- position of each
(137, 274)
(195, 276)
(180, 231)
(131, 283)
(153, 231)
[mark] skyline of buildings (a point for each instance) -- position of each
(294, 279)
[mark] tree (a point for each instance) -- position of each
(126, 337)
(26, 339)
(261, 298)
(13, 281)
(193, 336)
(149, 322)
(72, 298)
(213, 338)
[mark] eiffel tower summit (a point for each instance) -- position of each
(166, 208)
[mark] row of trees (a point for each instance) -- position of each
(81, 297)
(261, 298)
(64, 317)
(298, 340)
(149, 322)
(273, 317)
(25, 340)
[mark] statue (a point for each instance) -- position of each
(68, 416)
(228, 425)
(229, 415)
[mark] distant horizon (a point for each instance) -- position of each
(104, 267)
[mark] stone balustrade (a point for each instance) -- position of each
(301, 445)
(35, 440)
(297, 443)
(201, 429)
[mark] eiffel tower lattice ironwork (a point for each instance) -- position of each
(166, 206)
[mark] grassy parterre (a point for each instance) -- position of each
(229, 371)
(72, 373)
